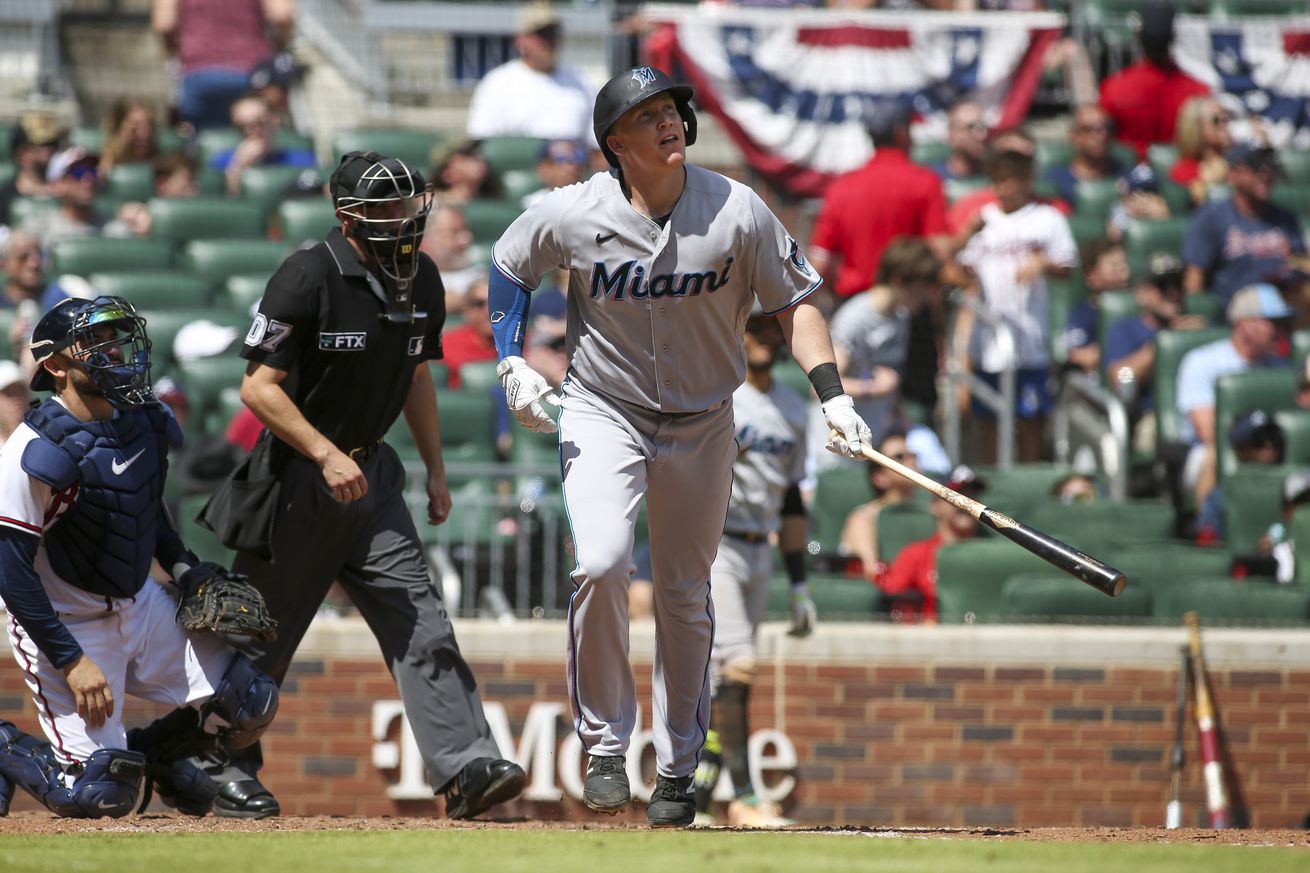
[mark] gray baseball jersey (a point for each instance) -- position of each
(656, 316)
(771, 444)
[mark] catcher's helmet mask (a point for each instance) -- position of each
(105, 338)
(388, 204)
(625, 91)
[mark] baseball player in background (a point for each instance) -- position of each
(81, 519)
(664, 261)
(770, 421)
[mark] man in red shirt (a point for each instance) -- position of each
(866, 209)
(1144, 99)
(909, 587)
(473, 340)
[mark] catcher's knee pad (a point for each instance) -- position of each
(246, 699)
(108, 785)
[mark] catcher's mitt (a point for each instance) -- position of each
(218, 600)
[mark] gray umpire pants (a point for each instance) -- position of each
(372, 548)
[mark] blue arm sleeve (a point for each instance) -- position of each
(507, 301)
(27, 602)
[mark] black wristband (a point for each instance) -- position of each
(826, 381)
(795, 564)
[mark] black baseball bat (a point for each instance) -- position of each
(1173, 812)
(1062, 556)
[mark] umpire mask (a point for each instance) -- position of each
(388, 204)
(105, 338)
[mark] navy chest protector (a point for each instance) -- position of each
(105, 542)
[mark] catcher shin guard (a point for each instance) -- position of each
(107, 786)
(246, 699)
(168, 744)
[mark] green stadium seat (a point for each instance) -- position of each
(1205, 304)
(517, 184)
(836, 493)
(212, 183)
(1296, 435)
(1086, 227)
(163, 326)
(504, 153)
(306, 218)
(1059, 598)
(1063, 295)
(1239, 393)
(216, 140)
(467, 425)
(1293, 197)
(1144, 238)
(1232, 602)
(225, 408)
(958, 188)
(789, 373)
(1300, 349)
(1031, 482)
(487, 219)
(479, 376)
(1301, 534)
(7, 172)
(217, 259)
(182, 220)
(414, 147)
(7, 318)
(201, 540)
(836, 598)
(1053, 153)
(82, 257)
(1096, 197)
(971, 576)
(1253, 501)
(1086, 526)
(131, 181)
(1171, 346)
(6, 131)
(1125, 154)
(1112, 307)
(1245, 8)
(1296, 163)
(23, 208)
(265, 185)
(239, 293)
(1162, 157)
(205, 379)
(1176, 197)
(87, 136)
(1157, 565)
(154, 289)
(900, 525)
(928, 153)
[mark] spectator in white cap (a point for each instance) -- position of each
(1277, 543)
(1257, 315)
(13, 398)
(73, 176)
(533, 95)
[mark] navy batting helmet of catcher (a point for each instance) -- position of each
(628, 89)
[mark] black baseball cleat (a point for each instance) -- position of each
(6, 795)
(672, 803)
(245, 798)
(482, 784)
(606, 790)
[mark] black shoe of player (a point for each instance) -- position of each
(672, 804)
(6, 795)
(482, 784)
(245, 798)
(606, 790)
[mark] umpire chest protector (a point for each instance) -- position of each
(113, 471)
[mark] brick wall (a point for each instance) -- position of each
(892, 726)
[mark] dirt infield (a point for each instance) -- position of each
(44, 823)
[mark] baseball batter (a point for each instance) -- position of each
(770, 421)
(664, 262)
(81, 519)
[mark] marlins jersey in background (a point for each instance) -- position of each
(771, 442)
(657, 313)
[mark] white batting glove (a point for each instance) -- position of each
(804, 615)
(847, 432)
(525, 388)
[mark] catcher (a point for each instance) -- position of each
(81, 519)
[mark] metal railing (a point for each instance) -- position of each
(1103, 419)
(1000, 402)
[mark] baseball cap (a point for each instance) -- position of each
(11, 374)
(1163, 268)
(66, 161)
(1254, 428)
(1256, 155)
(536, 18)
(1157, 19)
(563, 151)
(1258, 301)
(1296, 489)
(1141, 178)
(885, 117)
(35, 128)
(281, 69)
(964, 480)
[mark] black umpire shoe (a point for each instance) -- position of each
(482, 784)
(672, 803)
(606, 790)
(245, 798)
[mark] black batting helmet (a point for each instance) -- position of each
(112, 347)
(628, 89)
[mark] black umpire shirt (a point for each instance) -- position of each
(322, 321)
